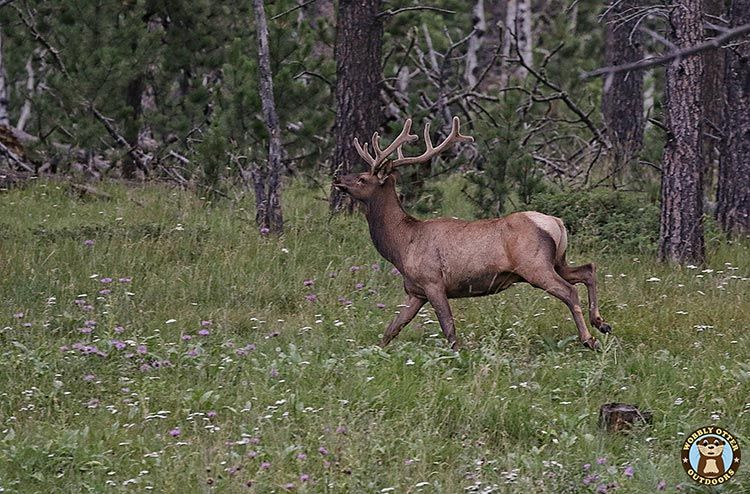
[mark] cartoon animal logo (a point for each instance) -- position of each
(711, 455)
(711, 464)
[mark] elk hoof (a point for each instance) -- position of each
(592, 343)
(605, 328)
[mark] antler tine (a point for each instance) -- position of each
(430, 152)
(382, 155)
(364, 153)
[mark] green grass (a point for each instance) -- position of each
(299, 387)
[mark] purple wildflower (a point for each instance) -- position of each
(27, 325)
(273, 372)
(341, 429)
(395, 272)
(265, 231)
(375, 267)
(18, 315)
(125, 279)
(304, 477)
(354, 269)
(323, 451)
(380, 306)
(590, 479)
(586, 467)
(359, 286)
(301, 456)
(601, 460)
(106, 279)
(89, 377)
(206, 323)
(119, 329)
(88, 243)
(119, 345)
(142, 349)
(105, 291)
(662, 485)
(311, 297)
(629, 471)
(193, 352)
(86, 330)
(211, 414)
(186, 337)
(308, 282)
(265, 465)
(90, 323)
(175, 432)
(204, 332)
(252, 453)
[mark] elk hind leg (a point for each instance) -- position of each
(554, 284)
(586, 274)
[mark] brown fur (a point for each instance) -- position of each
(447, 258)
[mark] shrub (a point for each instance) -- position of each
(604, 220)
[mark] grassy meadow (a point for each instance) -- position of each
(154, 343)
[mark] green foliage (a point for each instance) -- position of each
(604, 221)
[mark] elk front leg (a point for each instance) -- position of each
(439, 302)
(404, 317)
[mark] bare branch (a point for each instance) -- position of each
(392, 12)
(652, 61)
(302, 5)
(15, 158)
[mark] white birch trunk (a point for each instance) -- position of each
(23, 118)
(475, 44)
(517, 31)
(4, 112)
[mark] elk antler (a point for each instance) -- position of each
(454, 136)
(381, 155)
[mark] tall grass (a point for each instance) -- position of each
(154, 342)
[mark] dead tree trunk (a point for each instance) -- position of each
(622, 101)
(517, 33)
(733, 197)
(268, 207)
(475, 44)
(713, 89)
(25, 114)
(358, 52)
(4, 103)
(681, 222)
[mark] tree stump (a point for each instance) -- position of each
(618, 416)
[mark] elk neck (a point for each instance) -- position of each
(390, 227)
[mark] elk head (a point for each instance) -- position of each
(363, 186)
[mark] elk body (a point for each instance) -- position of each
(448, 258)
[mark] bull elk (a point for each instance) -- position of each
(449, 258)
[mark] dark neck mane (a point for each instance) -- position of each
(390, 226)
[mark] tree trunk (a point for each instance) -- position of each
(712, 86)
(517, 34)
(622, 100)
(25, 114)
(681, 222)
(475, 44)
(270, 205)
(4, 103)
(733, 197)
(358, 52)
